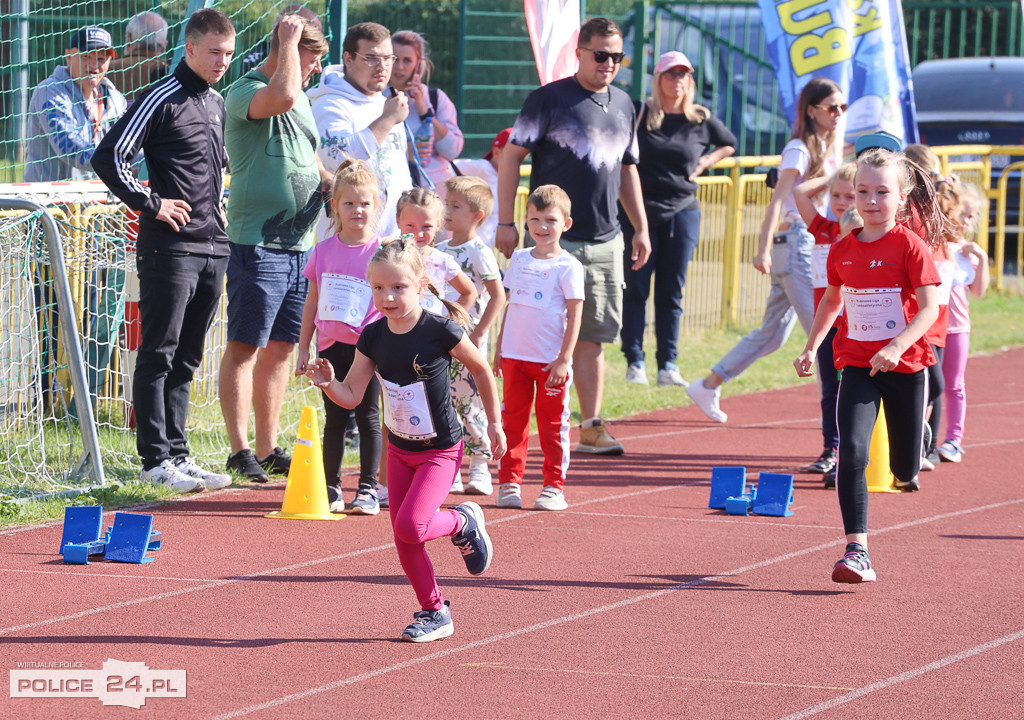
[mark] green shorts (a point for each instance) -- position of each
(603, 281)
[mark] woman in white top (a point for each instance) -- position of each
(432, 114)
(784, 255)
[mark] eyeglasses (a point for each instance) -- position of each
(834, 109)
(378, 60)
(677, 73)
(602, 56)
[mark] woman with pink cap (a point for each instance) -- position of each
(674, 137)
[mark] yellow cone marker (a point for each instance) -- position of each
(880, 478)
(305, 495)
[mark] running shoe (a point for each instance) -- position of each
(855, 567)
(707, 400)
(168, 475)
(509, 495)
(670, 376)
(550, 498)
(950, 451)
(472, 540)
(211, 480)
(365, 503)
(244, 463)
(825, 462)
(428, 625)
(636, 374)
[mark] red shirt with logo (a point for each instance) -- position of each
(873, 275)
(825, 232)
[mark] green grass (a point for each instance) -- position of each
(998, 323)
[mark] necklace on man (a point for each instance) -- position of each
(591, 98)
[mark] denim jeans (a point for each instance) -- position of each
(179, 295)
(791, 299)
(672, 246)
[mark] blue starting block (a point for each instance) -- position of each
(81, 525)
(127, 540)
(726, 482)
(774, 495)
(741, 504)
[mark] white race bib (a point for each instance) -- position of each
(432, 303)
(873, 313)
(407, 411)
(344, 298)
(819, 267)
(535, 286)
(947, 271)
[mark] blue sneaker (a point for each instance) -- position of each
(472, 541)
(428, 625)
(855, 567)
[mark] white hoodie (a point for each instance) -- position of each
(343, 115)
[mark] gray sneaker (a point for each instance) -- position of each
(366, 503)
(428, 625)
(670, 376)
(550, 499)
(509, 495)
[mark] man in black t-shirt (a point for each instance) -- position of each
(581, 133)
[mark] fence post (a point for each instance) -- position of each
(337, 20)
(72, 341)
(731, 250)
(641, 12)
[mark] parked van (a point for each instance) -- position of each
(976, 101)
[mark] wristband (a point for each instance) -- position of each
(428, 115)
(511, 224)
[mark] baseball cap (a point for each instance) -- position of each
(88, 39)
(880, 139)
(672, 59)
(500, 141)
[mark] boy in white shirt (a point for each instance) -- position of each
(535, 346)
(468, 201)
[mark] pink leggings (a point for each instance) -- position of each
(418, 482)
(954, 365)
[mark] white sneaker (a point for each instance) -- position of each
(706, 399)
(636, 374)
(457, 486)
(670, 376)
(169, 476)
(211, 480)
(509, 496)
(382, 495)
(550, 499)
(479, 479)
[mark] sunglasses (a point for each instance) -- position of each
(602, 56)
(677, 73)
(834, 109)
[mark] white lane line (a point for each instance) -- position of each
(351, 680)
(904, 676)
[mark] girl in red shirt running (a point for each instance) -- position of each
(884, 276)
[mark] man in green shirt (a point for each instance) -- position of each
(277, 194)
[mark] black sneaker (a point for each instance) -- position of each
(830, 479)
(855, 567)
(825, 462)
(277, 463)
(244, 463)
(430, 625)
(907, 485)
(472, 541)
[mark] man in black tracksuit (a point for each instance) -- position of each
(182, 249)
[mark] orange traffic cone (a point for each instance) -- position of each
(880, 478)
(305, 495)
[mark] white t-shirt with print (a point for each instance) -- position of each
(537, 293)
(441, 269)
(478, 262)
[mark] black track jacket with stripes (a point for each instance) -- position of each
(179, 123)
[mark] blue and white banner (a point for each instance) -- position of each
(859, 44)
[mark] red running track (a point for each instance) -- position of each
(638, 601)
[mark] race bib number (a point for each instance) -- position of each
(874, 313)
(344, 298)
(407, 411)
(819, 270)
(535, 287)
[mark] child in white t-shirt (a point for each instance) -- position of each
(534, 349)
(468, 201)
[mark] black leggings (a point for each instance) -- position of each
(857, 411)
(367, 414)
(936, 385)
